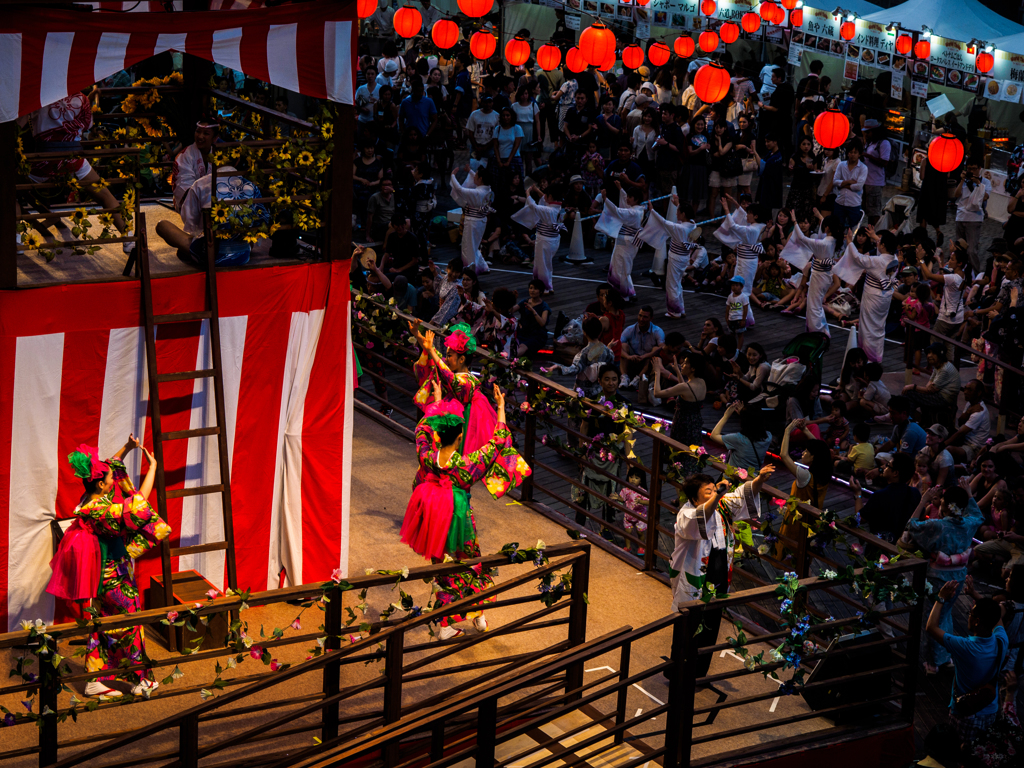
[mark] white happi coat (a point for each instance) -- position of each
(547, 219)
(696, 535)
(189, 166)
(677, 234)
(475, 202)
(823, 256)
(879, 284)
(624, 224)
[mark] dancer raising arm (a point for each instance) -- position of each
(439, 520)
(475, 197)
(547, 219)
(624, 224)
(94, 559)
(822, 282)
(879, 285)
(681, 249)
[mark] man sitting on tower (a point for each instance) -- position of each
(192, 162)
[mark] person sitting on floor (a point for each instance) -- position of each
(192, 163)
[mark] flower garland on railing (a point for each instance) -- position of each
(244, 645)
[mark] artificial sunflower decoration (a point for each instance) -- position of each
(79, 215)
(31, 240)
(220, 214)
(305, 158)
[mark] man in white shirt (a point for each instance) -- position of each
(481, 125)
(366, 98)
(972, 192)
(193, 162)
(974, 425)
(848, 184)
(384, 18)
(877, 154)
(429, 14)
(767, 86)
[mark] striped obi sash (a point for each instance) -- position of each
(631, 234)
(475, 213)
(881, 285)
(822, 265)
(549, 230)
(744, 251)
(683, 248)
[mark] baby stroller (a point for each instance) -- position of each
(898, 210)
(796, 375)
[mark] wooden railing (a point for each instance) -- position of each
(340, 712)
(480, 721)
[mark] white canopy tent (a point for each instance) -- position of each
(954, 19)
(1010, 43)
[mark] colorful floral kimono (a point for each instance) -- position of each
(439, 520)
(109, 535)
(478, 412)
(695, 539)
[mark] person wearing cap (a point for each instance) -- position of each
(737, 307)
(941, 466)
(388, 74)
(193, 161)
(971, 193)
(877, 153)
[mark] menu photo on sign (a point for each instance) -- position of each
(919, 88)
(851, 70)
(795, 53)
(896, 90)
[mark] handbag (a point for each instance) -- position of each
(748, 164)
(731, 166)
(972, 702)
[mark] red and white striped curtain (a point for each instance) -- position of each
(76, 373)
(46, 54)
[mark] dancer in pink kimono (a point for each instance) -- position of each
(94, 559)
(439, 520)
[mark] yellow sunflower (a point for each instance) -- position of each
(220, 214)
(305, 158)
(106, 220)
(79, 215)
(32, 239)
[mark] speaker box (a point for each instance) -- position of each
(854, 660)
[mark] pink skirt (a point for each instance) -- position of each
(428, 518)
(480, 427)
(76, 566)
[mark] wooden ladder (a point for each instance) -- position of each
(159, 436)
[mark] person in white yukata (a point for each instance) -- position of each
(546, 218)
(704, 544)
(879, 284)
(624, 224)
(475, 198)
(192, 163)
(682, 250)
(822, 281)
(742, 231)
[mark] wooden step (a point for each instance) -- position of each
(182, 317)
(198, 548)
(200, 490)
(206, 373)
(186, 433)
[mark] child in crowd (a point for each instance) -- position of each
(874, 397)
(917, 308)
(922, 479)
(838, 433)
(737, 307)
(592, 169)
(426, 298)
(1000, 518)
(770, 289)
(861, 456)
(589, 360)
(635, 519)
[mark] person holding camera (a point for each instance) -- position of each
(971, 195)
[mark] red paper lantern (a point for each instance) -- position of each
(476, 8)
(767, 11)
(607, 63)
(923, 49)
(365, 8)
(796, 18)
(847, 30)
(984, 62)
(596, 42)
(684, 46)
(904, 43)
(632, 56)
(444, 33)
(729, 33)
(408, 21)
(642, 2)
(483, 44)
(750, 22)
(548, 57)
(945, 153)
(574, 60)
(789, 5)
(779, 15)
(708, 41)
(711, 83)
(708, 7)
(517, 51)
(659, 54)
(831, 128)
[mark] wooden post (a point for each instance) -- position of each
(49, 689)
(801, 562)
(681, 677)
(620, 701)
(8, 202)
(340, 232)
(914, 645)
(653, 508)
(332, 670)
(394, 660)
(578, 620)
(188, 742)
(529, 444)
(486, 732)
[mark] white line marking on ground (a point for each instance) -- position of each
(652, 698)
(596, 669)
(638, 713)
(775, 703)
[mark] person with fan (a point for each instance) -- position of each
(94, 560)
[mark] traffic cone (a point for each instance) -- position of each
(576, 253)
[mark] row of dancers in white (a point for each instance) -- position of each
(824, 258)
